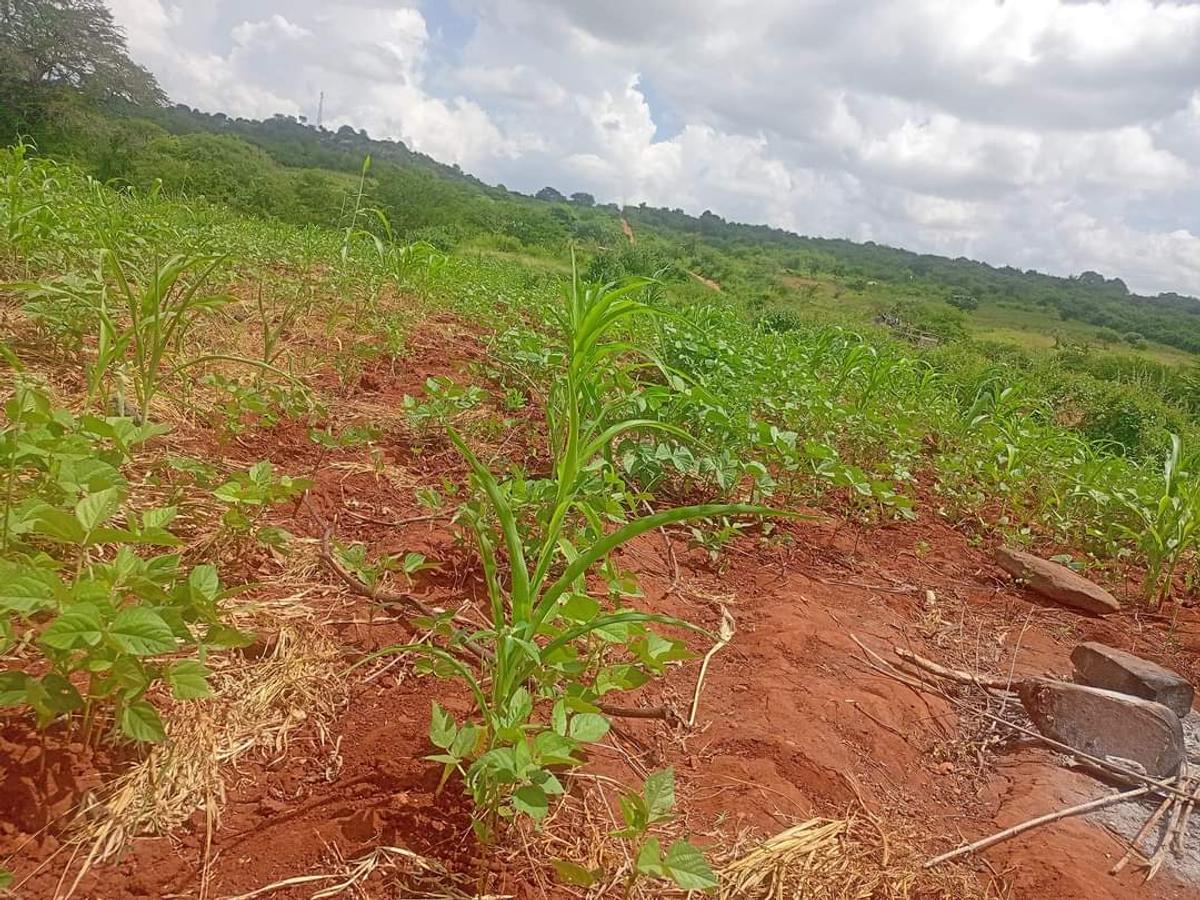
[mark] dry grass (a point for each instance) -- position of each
(858, 857)
(257, 708)
(842, 859)
(406, 874)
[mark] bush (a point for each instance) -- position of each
(610, 265)
(1126, 415)
(444, 237)
(779, 321)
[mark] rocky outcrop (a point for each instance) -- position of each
(1106, 724)
(1057, 583)
(1106, 667)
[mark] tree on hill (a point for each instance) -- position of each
(72, 43)
(582, 198)
(551, 195)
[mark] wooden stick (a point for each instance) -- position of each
(1034, 823)
(886, 668)
(995, 684)
(1163, 787)
(1181, 834)
(1151, 821)
(637, 712)
(1160, 855)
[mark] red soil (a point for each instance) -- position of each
(792, 721)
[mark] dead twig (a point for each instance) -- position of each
(631, 712)
(1140, 836)
(1007, 833)
(1130, 775)
(725, 635)
(991, 684)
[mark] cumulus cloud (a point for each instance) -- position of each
(1057, 134)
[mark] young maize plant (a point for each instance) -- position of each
(1165, 528)
(549, 643)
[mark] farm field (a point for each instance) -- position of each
(334, 563)
(372, 529)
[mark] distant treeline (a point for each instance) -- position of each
(289, 169)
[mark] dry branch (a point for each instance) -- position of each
(1007, 833)
(992, 684)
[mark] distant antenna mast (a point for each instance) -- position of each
(321, 110)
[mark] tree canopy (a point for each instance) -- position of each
(46, 44)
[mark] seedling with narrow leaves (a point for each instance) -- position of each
(551, 650)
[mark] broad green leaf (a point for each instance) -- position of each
(57, 525)
(588, 727)
(125, 563)
(649, 859)
(548, 782)
(26, 591)
(554, 749)
(127, 676)
(580, 608)
(142, 632)
(558, 717)
(204, 581)
(141, 722)
(95, 509)
(442, 729)
(660, 793)
(532, 801)
(13, 688)
(261, 472)
(573, 873)
(620, 678)
(222, 637)
(688, 868)
(520, 706)
(78, 625)
(466, 741)
(60, 694)
(189, 679)
(158, 518)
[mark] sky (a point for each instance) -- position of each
(1059, 135)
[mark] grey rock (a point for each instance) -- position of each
(1106, 724)
(1106, 667)
(1057, 583)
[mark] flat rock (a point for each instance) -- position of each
(1106, 724)
(1057, 583)
(1107, 667)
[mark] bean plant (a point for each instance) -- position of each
(92, 614)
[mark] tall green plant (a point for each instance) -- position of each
(549, 641)
(1164, 528)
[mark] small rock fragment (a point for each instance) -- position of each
(1106, 724)
(1106, 667)
(1057, 583)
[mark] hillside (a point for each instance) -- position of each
(301, 171)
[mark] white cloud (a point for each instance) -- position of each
(1062, 134)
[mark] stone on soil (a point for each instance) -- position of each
(1106, 667)
(1106, 724)
(1057, 583)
